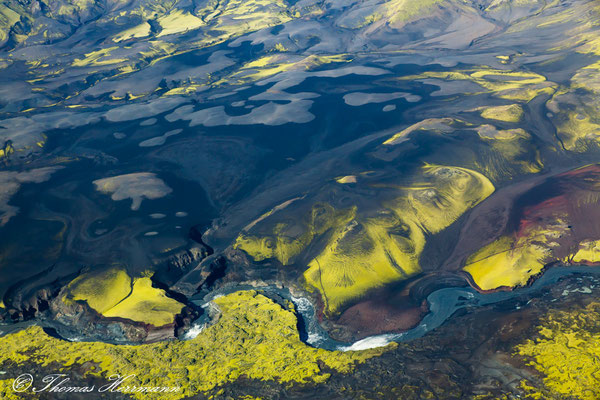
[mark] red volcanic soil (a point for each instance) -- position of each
(374, 317)
(533, 215)
(583, 171)
(568, 202)
(396, 308)
(488, 221)
(566, 206)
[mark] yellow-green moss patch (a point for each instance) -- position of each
(588, 251)
(113, 293)
(509, 113)
(566, 352)
(101, 290)
(500, 264)
(511, 85)
(353, 251)
(146, 304)
(285, 240)
(371, 252)
(254, 337)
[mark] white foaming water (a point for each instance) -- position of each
(369, 343)
(302, 304)
(193, 332)
(314, 339)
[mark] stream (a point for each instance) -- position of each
(443, 303)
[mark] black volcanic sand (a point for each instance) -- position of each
(65, 224)
(224, 177)
(238, 173)
(472, 354)
(71, 225)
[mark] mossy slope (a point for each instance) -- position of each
(102, 290)
(286, 240)
(506, 264)
(146, 304)
(510, 85)
(113, 293)
(508, 113)
(543, 232)
(370, 252)
(254, 337)
(566, 352)
(352, 250)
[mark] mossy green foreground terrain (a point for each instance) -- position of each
(363, 252)
(253, 337)
(254, 346)
(293, 176)
(566, 353)
(113, 293)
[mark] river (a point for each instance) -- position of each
(443, 303)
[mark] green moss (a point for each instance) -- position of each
(509, 113)
(367, 253)
(287, 239)
(566, 353)
(504, 5)
(395, 12)
(7, 150)
(101, 290)
(449, 192)
(578, 129)
(6, 390)
(279, 246)
(360, 256)
(254, 337)
(355, 251)
(98, 57)
(503, 263)
(146, 304)
(588, 251)
(346, 179)
(280, 47)
(432, 124)
(273, 64)
(179, 21)
(113, 293)
(514, 153)
(138, 31)
(510, 85)
(8, 18)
